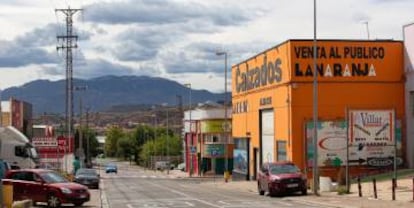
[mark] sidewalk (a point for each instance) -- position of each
(404, 193)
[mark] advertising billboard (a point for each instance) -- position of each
(363, 149)
(372, 133)
(331, 143)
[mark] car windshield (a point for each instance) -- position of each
(52, 177)
(84, 171)
(283, 168)
(111, 166)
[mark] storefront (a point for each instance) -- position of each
(272, 96)
(208, 144)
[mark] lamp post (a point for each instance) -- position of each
(168, 139)
(191, 133)
(226, 172)
(315, 108)
(80, 151)
(153, 142)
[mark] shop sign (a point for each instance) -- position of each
(214, 150)
(240, 107)
(44, 142)
(371, 128)
(214, 126)
(360, 55)
(380, 162)
(270, 72)
(265, 101)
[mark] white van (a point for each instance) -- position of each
(16, 149)
(163, 165)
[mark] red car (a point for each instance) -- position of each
(279, 178)
(48, 186)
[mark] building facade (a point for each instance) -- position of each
(18, 114)
(408, 31)
(208, 145)
(272, 96)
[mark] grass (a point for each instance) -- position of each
(387, 176)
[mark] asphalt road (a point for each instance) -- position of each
(136, 188)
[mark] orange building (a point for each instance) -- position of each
(272, 96)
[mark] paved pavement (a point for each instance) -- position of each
(404, 191)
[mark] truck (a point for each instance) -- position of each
(16, 149)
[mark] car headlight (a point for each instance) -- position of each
(65, 190)
(276, 181)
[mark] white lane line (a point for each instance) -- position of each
(224, 202)
(185, 195)
(189, 204)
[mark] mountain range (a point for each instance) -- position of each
(107, 92)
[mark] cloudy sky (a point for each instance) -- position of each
(176, 39)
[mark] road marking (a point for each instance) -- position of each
(185, 195)
(224, 202)
(189, 204)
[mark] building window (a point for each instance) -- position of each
(217, 138)
(281, 150)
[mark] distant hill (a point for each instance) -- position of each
(107, 93)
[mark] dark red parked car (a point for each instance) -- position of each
(281, 178)
(48, 186)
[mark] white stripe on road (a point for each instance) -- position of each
(189, 204)
(185, 195)
(224, 202)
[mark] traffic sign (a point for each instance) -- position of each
(193, 149)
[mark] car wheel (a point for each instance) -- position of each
(53, 201)
(304, 191)
(259, 189)
(78, 204)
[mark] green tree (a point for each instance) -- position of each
(139, 136)
(113, 134)
(125, 148)
(161, 146)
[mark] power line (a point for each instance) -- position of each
(68, 42)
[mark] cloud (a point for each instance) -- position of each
(164, 12)
(30, 48)
(201, 57)
(14, 54)
(141, 44)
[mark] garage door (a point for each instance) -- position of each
(267, 135)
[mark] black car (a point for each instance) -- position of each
(88, 177)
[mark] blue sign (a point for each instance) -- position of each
(193, 149)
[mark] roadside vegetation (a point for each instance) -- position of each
(141, 144)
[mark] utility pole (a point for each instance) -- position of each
(87, 137)
(68, 43)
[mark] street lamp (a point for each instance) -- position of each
(80, 151)
(226, 173)
(168, 139)
(315, 109)
(191, 134)
(153, 142)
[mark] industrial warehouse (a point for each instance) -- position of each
(360, 105)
